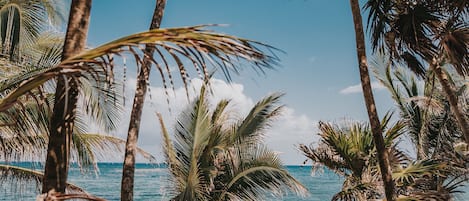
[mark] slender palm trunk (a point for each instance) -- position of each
(66, 95)
(383, 157)
(128, 170)
(452, 99)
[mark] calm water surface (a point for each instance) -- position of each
(150, 179)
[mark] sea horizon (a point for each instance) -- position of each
(150, 181)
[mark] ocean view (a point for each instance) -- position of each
(208, 100)
(150, 180)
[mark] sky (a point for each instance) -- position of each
(318, 70)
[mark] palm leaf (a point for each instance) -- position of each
(30, 176)
(260, 171)
(194, 43)
(417, 169)
(22, 22)
(259, 118)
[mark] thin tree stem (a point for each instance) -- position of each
(383, 153)
(128, 169)
(452, 99)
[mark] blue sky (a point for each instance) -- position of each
(318, 71)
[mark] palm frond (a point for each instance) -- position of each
(89, 148)
(417, 169)
(454, 41)
(22, 22)
(211, 165)
(260, 171)
(194, 43)
(360, 191)
(324, 156)
(24, 175)
(258, 118)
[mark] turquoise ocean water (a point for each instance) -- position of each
(149, 182)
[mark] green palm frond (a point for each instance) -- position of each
(324, 156)
(349, 151)
(424, 196)
(21, 131)
(361, 191)
(258, 118)
(89, 148)
(417, 169)
(206, 163)
(192, 134)
(23, 21)
(103, 106)
(260, 171)
(174, 165)
(21, 174)
(417, 32)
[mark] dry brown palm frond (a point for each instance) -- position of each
(431, 104)
(202, 47)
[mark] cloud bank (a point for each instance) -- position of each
(358, 88)
(287, 131)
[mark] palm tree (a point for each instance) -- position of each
(128, 170)
(214, 157)
(349, 151)
(66, 96)
(383, 158)
(432, 31)
(23, 21)
(203, 48)
(86, 150)
(431, 127)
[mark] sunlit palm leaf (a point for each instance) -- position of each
(202, 47)
(259, 172)
(207, 163)
(88, 149)
(258, 118)
(28, 175)
(416, 170)
(22, 22)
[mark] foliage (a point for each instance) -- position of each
(349, 151)
(213, 157)
(413, 31)
(432, 129)
(22, 22)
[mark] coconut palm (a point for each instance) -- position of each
(349, 151)
(214, 157)
(128, 170)
(23, 130)
(23, 21)
(200, 46)
(383, 153)
(434, 32)
(65, 102)
(431, 127)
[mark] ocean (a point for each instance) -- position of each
(149, 182)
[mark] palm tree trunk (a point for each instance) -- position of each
(383, 157)
(128, 170)
(66, 95)
(452, 99)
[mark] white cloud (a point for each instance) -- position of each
(287, 131)
(358, 88)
